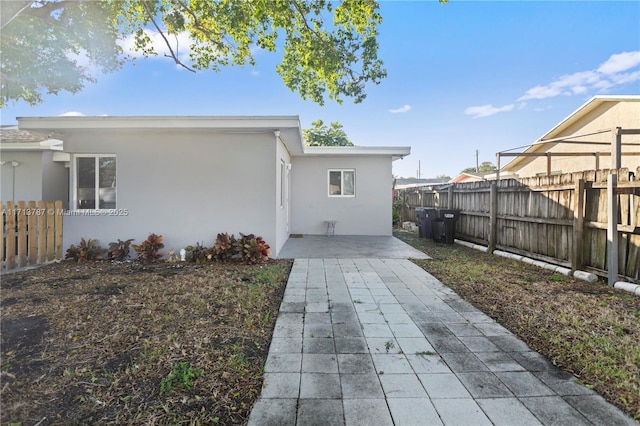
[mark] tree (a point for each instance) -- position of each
(321, 135)
(330, 50)
(443, 177)
(484, 167)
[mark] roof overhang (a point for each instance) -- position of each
(395, 152)
(60, 127)
(287, 128)
(47, 145)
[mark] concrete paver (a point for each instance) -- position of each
(373, 341)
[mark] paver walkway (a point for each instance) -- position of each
(382, 342)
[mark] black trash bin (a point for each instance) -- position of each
(424, 230)
(449, 218)
(436, 225)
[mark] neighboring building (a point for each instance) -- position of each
(32, 167)
(472, 177)
(190, 178)
(405, 183)
(577, 133)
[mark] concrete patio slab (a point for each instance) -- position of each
(349, 247)
(416, 355)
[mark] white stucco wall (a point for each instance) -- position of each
(27, 185)
(282, 212)
(37, 177)
(55, 178)
(368, 213)
(187, 187)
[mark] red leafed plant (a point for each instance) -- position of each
(254, 249)
(86, 251)
(225, 248)
(119, 251)
(149, 250)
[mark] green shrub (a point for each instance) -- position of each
(197, 254)
(397, 211)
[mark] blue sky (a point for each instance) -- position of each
(466, 76)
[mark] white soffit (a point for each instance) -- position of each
(396, 152)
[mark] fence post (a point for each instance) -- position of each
(42, 236)
(11, 235)
(612, 229)
(58, 223)
(51, 250)
(450, 197)
(32, 234)
(578, 226)
(493, 217)
(22, 234)
(2, 235)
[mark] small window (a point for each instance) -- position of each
(95, 182)
(342, 183)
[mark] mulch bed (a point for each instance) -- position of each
(94, 343)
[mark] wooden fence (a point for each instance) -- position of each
(560, 219)
(31, 233)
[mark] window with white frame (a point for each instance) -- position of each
(94, 181)
(342, 183)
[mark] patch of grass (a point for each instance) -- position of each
(182, 376)
(558, 278)
(590, 330)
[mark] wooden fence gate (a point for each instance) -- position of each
(31, 233)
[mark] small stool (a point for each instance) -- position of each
(331, 227)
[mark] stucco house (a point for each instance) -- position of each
(189, 178)
(589, 131)
(32, 167)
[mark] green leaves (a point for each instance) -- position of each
(54, 46)
(321, 135)
(328, 52)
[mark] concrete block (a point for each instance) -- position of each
(585, 276)
(630, 287)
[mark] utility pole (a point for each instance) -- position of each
(477, 167)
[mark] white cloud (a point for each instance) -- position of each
(255, 73)
(624, 78)
(180, 44)
(72, 114)
(607, 76)
(402, 109)
(620, 62)
(487, 110)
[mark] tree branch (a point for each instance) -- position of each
(166, 41)
(10, 10)
(198, 25)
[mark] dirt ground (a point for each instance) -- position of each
(99, 343)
